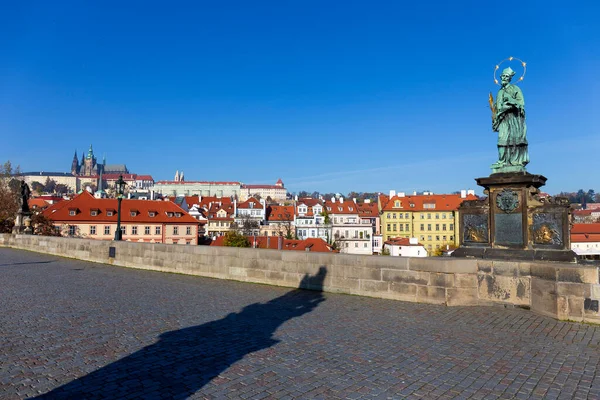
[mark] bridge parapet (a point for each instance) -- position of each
(560, 290)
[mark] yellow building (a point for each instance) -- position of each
(432, 219)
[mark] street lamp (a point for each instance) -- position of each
(120, 186)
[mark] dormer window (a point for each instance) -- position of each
(350, 208)
(397, 204)
(178, 215)
(169, 214)
(94, 212)
(133, 213)
(328, 208)
(110, 212)
(340, 208)
(152, 214)
(72, 212)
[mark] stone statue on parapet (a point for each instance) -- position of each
(24, 197)
(508, 119)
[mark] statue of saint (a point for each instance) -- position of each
(24, 198)
(509, 121)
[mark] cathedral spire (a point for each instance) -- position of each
(74, 164)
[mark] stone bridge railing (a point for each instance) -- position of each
(563, 291)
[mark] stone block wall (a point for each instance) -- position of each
(563, 291)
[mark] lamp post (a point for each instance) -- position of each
(120, 186)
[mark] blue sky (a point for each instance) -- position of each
(331, 96)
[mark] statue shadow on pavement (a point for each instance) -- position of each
(183, 361)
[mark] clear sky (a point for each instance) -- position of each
(331, 96)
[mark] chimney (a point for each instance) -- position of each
(234, 207)
(333, 199)
(413, 240)
(354, 199)
(296, 197)
(341, 200)
(401, 194)
(463, 194)
(392, 193)
(415, 193)
(471, 192)
(367, 201)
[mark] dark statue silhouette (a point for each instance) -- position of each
(183, 361)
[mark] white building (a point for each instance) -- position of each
(274, 192)
(585, 240)
(351, 233)
(405, 247)
(310, 223)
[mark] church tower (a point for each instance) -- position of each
(75, 164)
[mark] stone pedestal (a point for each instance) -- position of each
(515, 222)
(23, 223)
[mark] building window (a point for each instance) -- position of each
(134, 230)
(157, 230)
(422, 227)
(437, 227)
(389, 227)
(92, 230)
(133, 213)
(443, 227)
(72, 212)
(146, 230)
(123, 230)
(451, 227)
(365, 245)
(94, 213)
(422, 216)
(401, 228)
(107, 230)
(407, 227)
(394, 227)
(428, 227)
(444, 238)
(429, 238)
(109, 213)
(72, 230)
(188, 230)
(394, 215)
(451, 237)
(346, 244)
(176, 229)
(437, 216)
(437, 237)
(406, 216)
(428, 215)
(355, 244)
(443, 215)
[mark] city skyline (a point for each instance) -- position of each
(330, 99)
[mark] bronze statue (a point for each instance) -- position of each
(24, 198)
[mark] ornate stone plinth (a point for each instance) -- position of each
(515, 222)
(22, 223)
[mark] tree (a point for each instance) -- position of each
(9, 197)
(61, 189)
(50, 185)
(235, 239)
(37, 187)
(246, 225)
(42, 225)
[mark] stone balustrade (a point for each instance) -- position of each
(559, 290)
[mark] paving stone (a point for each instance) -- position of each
(71, 329)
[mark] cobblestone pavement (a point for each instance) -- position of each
(72, 329)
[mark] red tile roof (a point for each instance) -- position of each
(38, 203)
(251, 200)
(309, 201)
(585, 228)
(262, 187)
(264, 242)
(114, 177)
(347, 207)
(85, 202)
(144, 178)
(401, 242)
(197, 182)
(442, 202)
(585, 237)
(280, 213)
(368, 210)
